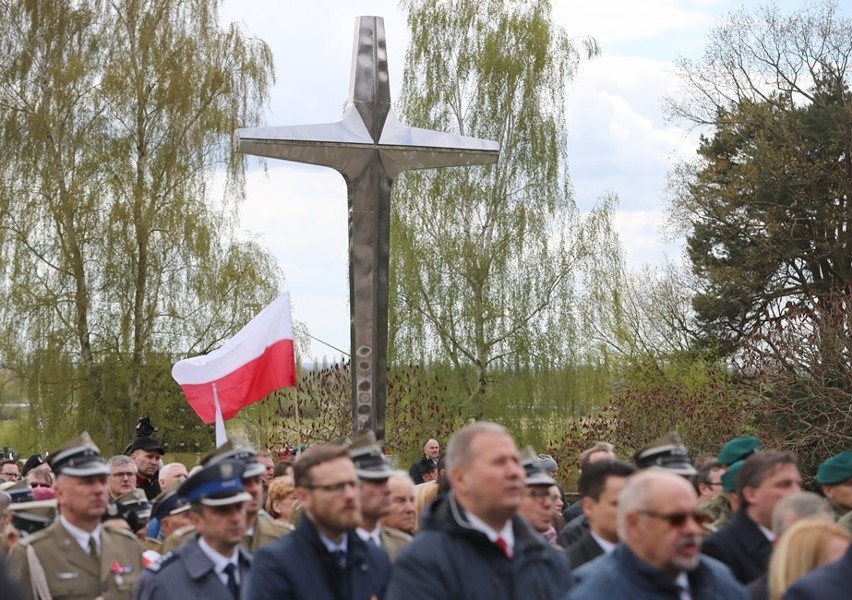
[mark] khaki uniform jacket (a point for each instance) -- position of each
(74, 575)
(393, 540)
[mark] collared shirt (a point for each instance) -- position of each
(605, 545)
(374, 536)
(220, 562)
(682, 582)
(81, 536)
(507, 533)
(332, 547)
(767, 532)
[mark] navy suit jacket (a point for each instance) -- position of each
(742, 546)
(831, 582)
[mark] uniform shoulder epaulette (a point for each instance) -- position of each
(165, 559)
(180, 531)
(397, 533)
(283, 526)
(33, 538)
(120, 531)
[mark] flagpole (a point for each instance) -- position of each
(221, 434)
(298, 421)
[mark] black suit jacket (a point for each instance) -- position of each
(742, 546)
(585, 550)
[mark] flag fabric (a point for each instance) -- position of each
(258, 360)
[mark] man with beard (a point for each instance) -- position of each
(472, 545)
(212, 565)
(323, 557)
(660, 528)
(76, 556)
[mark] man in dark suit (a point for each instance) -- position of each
(745, 542)
(831, 582)
(599, 485)
(212, 565)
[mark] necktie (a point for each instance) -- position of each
(504, 547)
(232, 580)
(339, 559)
(93, 548)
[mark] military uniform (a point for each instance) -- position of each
(188, 573)
(71, 573)
(266, 530)
(394, 540)
(178, 538)
(846, 522)
(719, 511)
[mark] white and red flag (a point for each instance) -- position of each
(258, 360)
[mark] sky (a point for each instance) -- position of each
(619, 139)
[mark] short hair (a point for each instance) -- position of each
(8, 461)
(164, 472)
(458, 448)
(313, 456)
(758, 467)
(279, 488)
(799, 551)
(40, 476)
(120, 460)
(800, 504)
(593, 478)
(598, 447)
(702, 474)
(404, 475)
(281, 468)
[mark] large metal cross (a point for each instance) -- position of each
(370, 148)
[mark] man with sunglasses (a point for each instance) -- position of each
(660, 528)
(323, 557)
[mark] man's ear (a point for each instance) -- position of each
(587, 504)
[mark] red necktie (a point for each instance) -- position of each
(504, 547)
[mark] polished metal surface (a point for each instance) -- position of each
(370, 148)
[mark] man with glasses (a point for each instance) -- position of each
(122, 476)
(9, 470)
(323, 557)
(537, 506)
(660, 528)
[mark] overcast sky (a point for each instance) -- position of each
(619, 139)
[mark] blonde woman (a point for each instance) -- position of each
(280, 498)
(805, 546)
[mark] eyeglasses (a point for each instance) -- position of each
(555, 497)
(123, 474)
(336, 488)
(12, 475)
(539, 494)
(678, 519)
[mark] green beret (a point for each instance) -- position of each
(836, 469)
(729, 478)
(738, 449)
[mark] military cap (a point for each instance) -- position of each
(29, 517)
(729, 477)
(237, 448)
(32, 462)
(168, 502)
(148, 444)
(424, 465)
(216, 484)
(547, 463)
(78, 458)
(369, 462)
(667, 452)
(20, 491)
(739, 448)
(535, 473)
(134, 508)
(836, 469)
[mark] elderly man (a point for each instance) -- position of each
(77, 557)
(431, 453)
(402, 514)
(745, 542)
(212, 565)
(472, 544)
(537, 506)
(122, 476)
(172, 473)
(659, 525)
(323, 557)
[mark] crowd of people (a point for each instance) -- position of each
(484, 520)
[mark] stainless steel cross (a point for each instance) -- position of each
(370, 148)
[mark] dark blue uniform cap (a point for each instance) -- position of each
(217, 484)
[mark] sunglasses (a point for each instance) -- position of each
(678, 519)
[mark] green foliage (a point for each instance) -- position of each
(117, 251)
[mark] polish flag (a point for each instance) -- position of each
(258, 360)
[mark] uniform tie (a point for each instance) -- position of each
(93, 548)
(504, 547)
(232, 580)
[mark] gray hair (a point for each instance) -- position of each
(164, 472)
(458, 449)
(119, 461)
(400, 474)
(797, 506)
